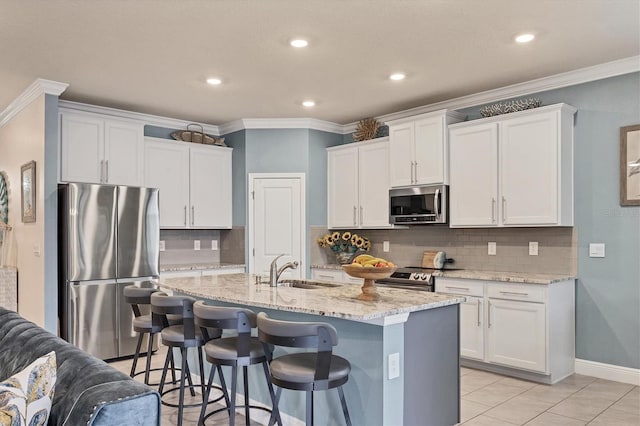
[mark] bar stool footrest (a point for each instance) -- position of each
(153, 369)
(219, 410)
(177, 388)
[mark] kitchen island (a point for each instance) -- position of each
(403, 349)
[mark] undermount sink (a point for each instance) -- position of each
(305, 284)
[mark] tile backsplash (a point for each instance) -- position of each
(179, 244)
(557, 247)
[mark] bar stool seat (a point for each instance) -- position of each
(226, 349)
(143, 324)
(301, 368)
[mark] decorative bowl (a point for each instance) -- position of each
(369, 293)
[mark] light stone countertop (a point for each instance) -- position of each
(199, 266)
(339, 301)
(507, 277)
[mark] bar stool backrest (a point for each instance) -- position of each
(163, 306)
(226, 318)
(136, 296)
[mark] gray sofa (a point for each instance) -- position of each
(87, 391)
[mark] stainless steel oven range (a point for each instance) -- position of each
(411, 278)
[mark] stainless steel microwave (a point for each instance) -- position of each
(419, 205)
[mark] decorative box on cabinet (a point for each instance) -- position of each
(358, 185)
(194, 182)
(100, 149)
(513, 170)
(523, 330)
(418, 148)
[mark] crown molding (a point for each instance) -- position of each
(148, 119)
(557, 81)
(280, 123)
(39, 87)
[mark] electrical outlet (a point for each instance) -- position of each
(491, 248)
(161, 245)
(196, 244)
(214, 244)
(533, 248)
(394, 365)
(596, 250)
(385, 246)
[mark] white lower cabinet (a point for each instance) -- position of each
(200, 272)
(334, 275)
(510, 327)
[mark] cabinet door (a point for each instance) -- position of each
(472, 328)
(82, 148)
(373, 165)
(516, 334)
(123, 153)
(529, 170)
(401, 155)
(473, 192)
(166, 167)
(210, 187)
(429, 151)
(342, 191)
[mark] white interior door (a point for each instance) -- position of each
(276, 205)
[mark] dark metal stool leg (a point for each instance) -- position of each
(343, 402)
(136, 355)
(309, 419)
(246, 394)
(223, 384)
(192, 391)
(274, 407)
(212, 374)
(201, 365)
(149, 349)
(164, 370)
(173, 367)
(183, 372)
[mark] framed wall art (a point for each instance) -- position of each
(28, 192)
(630, 165)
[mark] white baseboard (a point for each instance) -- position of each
(608, 371)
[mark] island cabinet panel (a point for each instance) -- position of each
(419, 149)
(194, 182)
(98, 149)
(515, 328)
(513, 170)
(358, 185)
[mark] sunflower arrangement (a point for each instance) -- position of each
(345, 242)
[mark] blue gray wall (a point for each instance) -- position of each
(608, 289)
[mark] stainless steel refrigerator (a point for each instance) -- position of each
(108, 238)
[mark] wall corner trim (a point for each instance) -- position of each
(39, 87)
(608, 371)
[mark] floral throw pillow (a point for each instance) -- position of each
(25, 397)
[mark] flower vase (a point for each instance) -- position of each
(345, 258)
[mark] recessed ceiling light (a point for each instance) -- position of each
(214, 81)
(397, 76)
(525, 38)
(299, 42)
(308, 103)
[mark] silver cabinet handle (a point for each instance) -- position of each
(329, 277)
(106, 179)
(436, 203)
(504, 209)
(355, 210)
(185, 215)
(193, 215)
(457, 288)
(101, 171)
(361, 215)
(415, 172)
(479, 303)
(514, 293)
(493, 210)
(488, 313)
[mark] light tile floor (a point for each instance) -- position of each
(488, 399)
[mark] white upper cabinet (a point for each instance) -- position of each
(358, 185)
(418, 149)
(194, 182)
(99, 149)
(513, 170)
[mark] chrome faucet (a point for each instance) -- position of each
(274, 272)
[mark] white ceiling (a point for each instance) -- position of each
(154, 56)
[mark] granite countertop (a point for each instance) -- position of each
(339, 301)
(199, 266)
(507, 277)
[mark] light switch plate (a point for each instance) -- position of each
(533, 248)
(161, 245)
(214, 244)
(491, 248)
(196, 244)
(394, 365)
(385, 246)
(596, 250)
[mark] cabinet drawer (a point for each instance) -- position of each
(180, 274)
(459, 286)
(326, 275)
(221, 271)
(524, 292)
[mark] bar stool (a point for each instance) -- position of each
(139, 297)
(307, 371)
(241, 350)
(183, 336)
